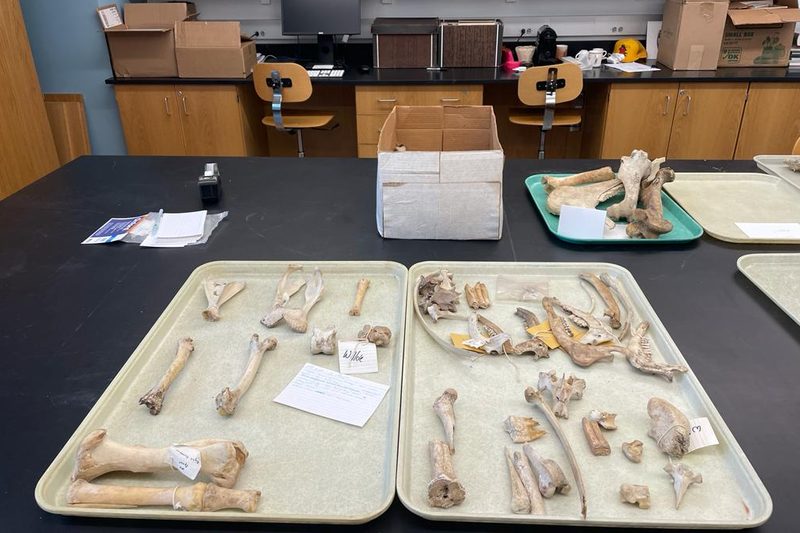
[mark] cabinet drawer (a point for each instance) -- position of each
(369, 128)
(368, 150)
(381, 99)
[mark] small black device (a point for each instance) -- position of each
(364, 69)
(323, 18)
(545, 47)
(210, 184)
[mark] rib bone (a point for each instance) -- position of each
(520, 501)
(361, 291)
(444, 489)
(590, 176)
(445, 410)
(640, 355)
(669, 427)
(283, 294)
(197, 497)
(562, 390)
(379, 335)
(477, 295)
(550, 477)
(523, 468)
(217, 293)
(523, 429)
(220, 460)
(323, 341)
(297, 319)
(597, 442)
(154, 398)
(682, 478)
(228, 399)
(635, 494)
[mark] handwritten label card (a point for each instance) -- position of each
(770, 230)
(701, 434)
(581, 223)
(333, 395)
(185, 459)
(357, 357)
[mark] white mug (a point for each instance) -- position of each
(597, 55)
(585, 59)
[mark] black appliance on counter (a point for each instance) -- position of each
(546, 47)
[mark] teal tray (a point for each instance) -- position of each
(684, 228)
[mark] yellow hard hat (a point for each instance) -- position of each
(631, 49)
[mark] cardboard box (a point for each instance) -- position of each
(213, 49)
(144, 46)
(448, 183)
(691, 34)
(759, 37)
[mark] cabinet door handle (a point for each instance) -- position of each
(450, 99)
(387, 100)
(667, 100)
(183, 102)
(688, 102)
(166, 106)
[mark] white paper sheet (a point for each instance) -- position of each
(358, 357)
(581, 223)
(332, 395)
(181, 225)
(631, 67)
(770, 230)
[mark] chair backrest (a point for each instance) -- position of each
(796, 149)
(300, 91)
(571, 74)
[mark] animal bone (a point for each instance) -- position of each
(297, 319)
(597, 442)
(520, 501)
(596, 332)
(323, 341)
(523, 468)
(640, 356)
(632, 170)
(636, 494)
(361, 291)
(535, 346)
(477, 296)
(682, 478)
(221, 460)
(228, 399)
(523, 429)
(612, 307)
(283, 294)
(581, 354)
(604, 419)
(588, 196)
(621, 297)
(378, 335)
(497, 343)
(217, 293)
(444, 489)
(445, 410)
(437, 314)
(197, 497)
(436, 295)
(154, 398)
(550, 478)
(633, 450)
(528, 317)
(649, 221)
(590, 176)
(535, 397)
(793, 163)
(495, 331)
(562, 390)
(669, 427)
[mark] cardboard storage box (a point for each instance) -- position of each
(213, 49)
(145, 45)
(448, 183)
(759, 37)
(691, 34)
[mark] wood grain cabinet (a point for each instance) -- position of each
(208, 120)
(375, 102)
(771, 122)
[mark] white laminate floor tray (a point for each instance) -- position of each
(778, 276)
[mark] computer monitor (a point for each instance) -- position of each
(323, 18)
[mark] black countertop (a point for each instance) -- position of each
(73, 314)
(413, 76)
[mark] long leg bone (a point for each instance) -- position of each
(445, 410)
(227, 400)
(444, 489)
(588, 196)
(632, 170)
(220, 460)
(562, 390)
(197, 497)
(520, 501)
(649, 222)
(217, 293)
(682, 478)
(323, 341)
(361, 291)
(523, 429)
(286, 289)
(297, 319)
(379, 335)
(590, 176)
(525, 473)
(154, 398)
(477, 296)
(549, 476)
(597, 442)
(640, 356)
(581, 354)
(635, 494)
(669, 427)
(535, 397)
(612, 307)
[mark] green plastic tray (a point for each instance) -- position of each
(684, 228)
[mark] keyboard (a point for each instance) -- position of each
(326, 73)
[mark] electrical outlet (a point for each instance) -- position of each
(528, 31)
(614, 29)
(262, 33)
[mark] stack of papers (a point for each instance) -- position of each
(176, 230)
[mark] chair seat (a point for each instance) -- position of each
(533, 117)
(297, 121)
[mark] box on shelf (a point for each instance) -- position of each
(144, 46)
(213, 49)
(691, 34)
(405, 42)
(470, 43)
(447, 183)
(759, 37)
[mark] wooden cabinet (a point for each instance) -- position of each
(209, 120)
(771, 122)
(375, 102)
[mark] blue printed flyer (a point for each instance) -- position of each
(113, 230)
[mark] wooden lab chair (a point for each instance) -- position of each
(796, 149)
(545, 87)
(281, 83)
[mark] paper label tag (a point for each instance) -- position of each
(581, 223)
(701, 434)
(770, 230)
(458, 341)
(186, 460)
(109, 16)
(357, 357)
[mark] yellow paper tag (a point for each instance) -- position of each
(458, 341)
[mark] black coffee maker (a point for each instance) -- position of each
(546, 47)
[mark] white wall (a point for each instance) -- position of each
(570, 18)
